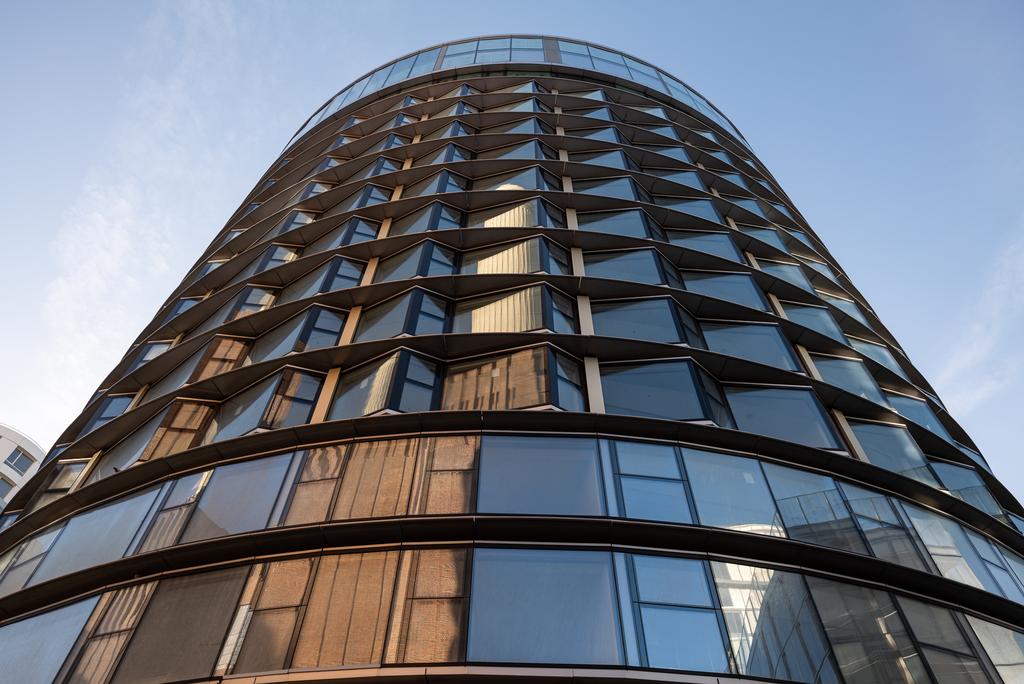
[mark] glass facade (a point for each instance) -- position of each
(516, 358)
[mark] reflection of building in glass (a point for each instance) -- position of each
(517, 357)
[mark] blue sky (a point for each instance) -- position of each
(131, 131)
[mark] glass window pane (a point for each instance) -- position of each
(279, 341)
(649, 499)
(640, 265)
(520, 311)
(793, 415)
(649, 460)
(631, 223)
(791, 273)
(364, 390)
(892, 447)
(638, 319)
(218, 512)
(516, 380)
(868, 637)
(813, 509)
(965, 484)
(933, 625)
(384, 320)
(883, 527)
(243, 413)
(683, 639)
(739, 288)
(773, 625)
(35, 648)
(731, 492)
(520, 257)
(718, 244)
(544, 475)
(762, 343)
(533, 606)
(950, 548)
(680, 581)
(658, 390)
(816, 318)
(187, 615)
(919, 412)
(849, 374)
(99, 536)
(1004, 646)
(879, 354)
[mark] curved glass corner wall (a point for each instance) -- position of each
(516, 363)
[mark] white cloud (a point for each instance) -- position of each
(988, 356)
(136, 224)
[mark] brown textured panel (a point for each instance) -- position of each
(517, 380)
(377, 480)
(433, 624)
(310, 503)
(322, 463)
(222, 355)
(433, 632)
(285, 583)
(347, 614)
(453, 453)
(178, 430)
(125, 608)
(266, 641)
(448, 491)
(98, 659)
(166, 529)
(182, 630)
(440, 573)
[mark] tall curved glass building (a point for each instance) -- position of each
(517, 363)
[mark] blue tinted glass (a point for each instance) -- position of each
(919, 412)
(893, 448)
(719, 244)
(851, 375)
(551, 476)
(424, 62)
(791, 273)
(762, 343)
(816, 318)
(739, 288)
(879, 354)
(658, 390)
(793, 415)
(698, 207)
(731, 492)
(632, 223)
(640, 319)
(700, 649)
(650, 499)
(650, 460)
(638, 265)
(532, 606)
(679, 581)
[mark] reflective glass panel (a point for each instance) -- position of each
(658, 390)
(731, 492)
(790, 414)
(549, 476)
(739, 288)
(762, 343)
(533, 606)
(849, 374)
(893, 448)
